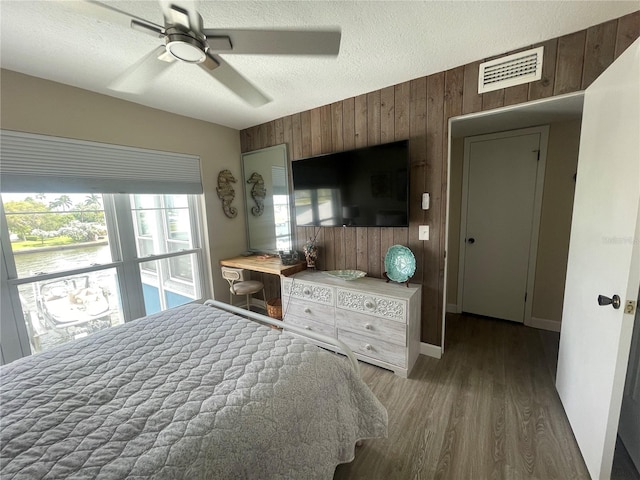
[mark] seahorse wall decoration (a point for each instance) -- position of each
(258, 193)
(226, 193)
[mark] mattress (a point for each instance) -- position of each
(189, 393)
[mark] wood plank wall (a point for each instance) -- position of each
(419, 110)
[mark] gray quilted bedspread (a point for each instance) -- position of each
(190, 393)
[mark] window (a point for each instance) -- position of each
(281, 208)
(163, 226)
(115, 235)
(69, 258)
(283, 224)
(317, 206)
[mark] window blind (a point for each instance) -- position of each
(41, 163)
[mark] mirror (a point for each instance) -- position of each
(266, 187)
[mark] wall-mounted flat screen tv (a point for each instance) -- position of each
(367, 187)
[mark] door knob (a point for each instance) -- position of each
(614, 302)
(471, 240)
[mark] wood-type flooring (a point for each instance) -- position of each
(487, 410)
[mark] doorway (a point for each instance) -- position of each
(563, 115)
(564, 109)
(503, 180)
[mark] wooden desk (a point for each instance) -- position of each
(271, 265)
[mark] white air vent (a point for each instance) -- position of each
(516, 69)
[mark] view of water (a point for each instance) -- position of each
(55, 260)
(50, 261)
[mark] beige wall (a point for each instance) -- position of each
(455, 207)
(555, 221)
(34, 105)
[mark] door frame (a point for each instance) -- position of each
(523, 115)
(631, 393)
(543, 131)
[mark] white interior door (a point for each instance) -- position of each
(604, 259)
(500, 180)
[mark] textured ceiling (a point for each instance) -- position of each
(383, 43)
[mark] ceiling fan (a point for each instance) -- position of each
(185, 40)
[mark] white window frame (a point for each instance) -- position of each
(122, 241)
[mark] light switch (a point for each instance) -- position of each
(423, 232)
(425, 201)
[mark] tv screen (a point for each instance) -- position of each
(367, 187)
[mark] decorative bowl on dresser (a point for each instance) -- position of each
(379, 321)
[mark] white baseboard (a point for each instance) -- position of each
(453, 308)
(544, 324)
(430, 350)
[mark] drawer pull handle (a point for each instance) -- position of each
(307, 310)
(369, 305)
(307, 327)
(368, 347)
(306, 291)
(368, 326)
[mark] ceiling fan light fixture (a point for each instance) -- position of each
(186, 40)
(186, 48)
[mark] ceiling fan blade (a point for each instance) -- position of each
(274, 42)
(139, 76)
(181, 12)
(234, 81)
(110, 14)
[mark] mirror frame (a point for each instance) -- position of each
(249, 203)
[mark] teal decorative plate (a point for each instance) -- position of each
(347, 274)
(399, 263)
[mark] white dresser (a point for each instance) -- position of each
(379, 321)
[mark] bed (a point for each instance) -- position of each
(190, 393)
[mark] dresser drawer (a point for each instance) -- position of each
(393, 332)
(310, 292)
(374, 347)
(304, 309)
(378, 305)
(307, 324)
